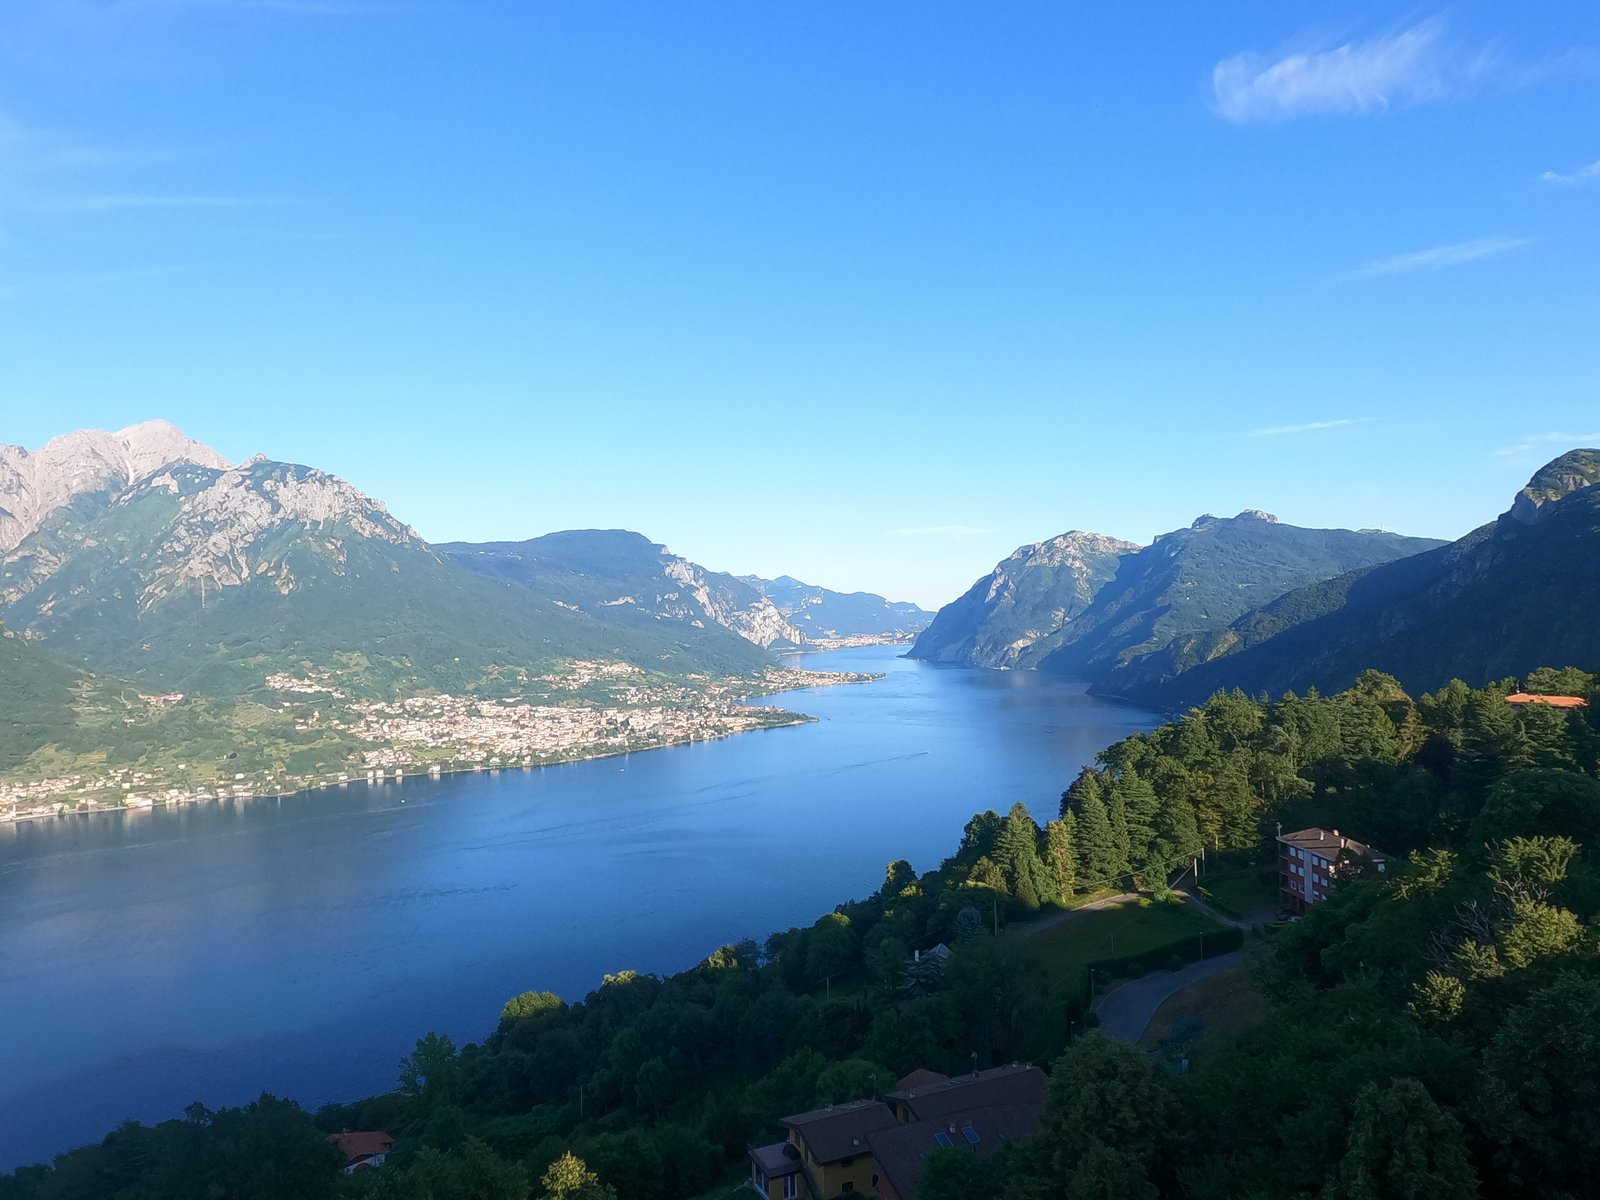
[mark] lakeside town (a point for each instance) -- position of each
(619, 711)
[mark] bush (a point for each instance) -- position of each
(1176, 963)
(1220, 941)
(1135, 970)
(1092, 1021)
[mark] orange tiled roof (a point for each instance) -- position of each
(1552, 701)
(363, 1144)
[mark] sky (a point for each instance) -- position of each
(868, 294)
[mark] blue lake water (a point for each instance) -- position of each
(300, 946)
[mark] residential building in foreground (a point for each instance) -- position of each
(882, 1145)
(1312, 861)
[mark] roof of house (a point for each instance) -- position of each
(902, 1152)
(362, 1144)
(1329, 843)
(920, 1078)
(1552, 701)
(776, 1160)
(840, 1130)
(1009, 1085)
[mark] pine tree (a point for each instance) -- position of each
(1117, 813)
(1096, 844)
(1139, 806)
(1060, 855)
(1016, 849)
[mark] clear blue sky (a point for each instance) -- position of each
(866, 293)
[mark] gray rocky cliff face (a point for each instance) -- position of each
(744, 610)
(1027, 603)
(90, 462)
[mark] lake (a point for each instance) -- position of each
(301, 945)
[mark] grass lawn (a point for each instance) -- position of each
(1216, 1008)
(1143, 924)
(1243, 891)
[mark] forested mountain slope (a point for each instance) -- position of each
(1512, 595)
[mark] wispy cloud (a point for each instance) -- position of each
(1589, 174)
(1437, 258)
(1539, 445)
(1308, 427)
(1409, 67)
(952, 531)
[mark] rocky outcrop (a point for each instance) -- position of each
(90, 462)
(728, 601)
(1020, 611)
(1555, 481)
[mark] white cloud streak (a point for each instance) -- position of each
(1437, 258)
(1308, 427)
(1398, 70)
(1540, 444)
(1589, 174)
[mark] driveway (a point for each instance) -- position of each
(1126, 1011)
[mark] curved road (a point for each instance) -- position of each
(1125, 1012)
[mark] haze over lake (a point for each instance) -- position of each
(300, 946)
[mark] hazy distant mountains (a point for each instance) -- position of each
(146, 556)
(1093, 607)
(824, 616)
(1519, 593)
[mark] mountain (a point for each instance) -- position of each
(623, 578)
(210, 578)
(86, 463)
(1024, 608)
(1512, 596)
(823, 615)
(1091, 606)
(40, 694)
(1201, 578)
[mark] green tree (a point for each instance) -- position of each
(1403, 1146)
(1016, 852)
(1098, 860)
(831, 948)
(1537, 1103)
(529, 1005)
(430, 1076)
(1108, 1128)
(569, 1178)
(1061, 855)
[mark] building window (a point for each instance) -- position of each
(849, 1188)
(791, 1187)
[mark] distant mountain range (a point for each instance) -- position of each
(823, 616)
(1094, 607)
(143, 554)
(1251, 603)
(1519, 593)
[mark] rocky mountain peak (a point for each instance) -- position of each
(1256, 514)
(1572, 472)
(34, 484)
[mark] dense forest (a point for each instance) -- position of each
(1430, 1031)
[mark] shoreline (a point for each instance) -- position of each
(437, 770)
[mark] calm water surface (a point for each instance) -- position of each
(300, 946)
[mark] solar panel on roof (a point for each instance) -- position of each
(943, 1139)
(971, 1134)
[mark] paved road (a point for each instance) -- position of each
(1125, 1012)
(1040, 924)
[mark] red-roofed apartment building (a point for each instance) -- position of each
(882, 1146)
(1311, 861)
(362, 1150)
